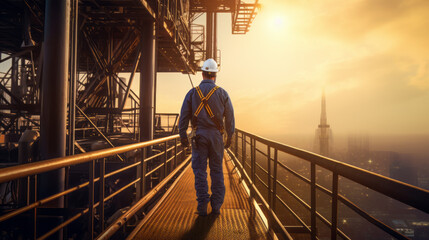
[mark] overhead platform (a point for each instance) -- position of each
(103, 22)
(175, 218)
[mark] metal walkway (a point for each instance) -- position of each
(175, 218)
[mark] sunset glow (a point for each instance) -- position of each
(371, 57)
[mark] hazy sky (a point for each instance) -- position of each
(371, 56)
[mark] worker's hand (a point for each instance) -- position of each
(228, 143)
(185, 142)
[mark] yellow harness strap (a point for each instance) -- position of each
(204, 101)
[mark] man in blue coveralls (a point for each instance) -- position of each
(206, 106)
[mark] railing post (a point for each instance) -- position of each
(275, 181)
(270, 219)
(236, 143)
(35, 209)
(175, 153)
(243, 150)
(165, 160)
(252, 167)
(101, 191)
(313, 201)
(91, 199)
(143, 172)
(334, 209)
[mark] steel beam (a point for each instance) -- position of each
(14, 84)
(54, 95)
(127, 92)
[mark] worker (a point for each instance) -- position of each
(207, 106)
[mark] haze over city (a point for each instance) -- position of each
(369, 56)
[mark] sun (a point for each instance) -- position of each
(278, 21)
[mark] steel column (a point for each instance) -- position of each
(73, 77)
(147, 81)
(147, 91)
(54, 94)
(209, 35)
(215, 37)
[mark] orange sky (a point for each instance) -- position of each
(371, 56)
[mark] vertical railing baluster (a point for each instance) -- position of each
(275, 180)
(243, 150)
(35, 209)
(236, 144)
(334, 227)
(175, 153)
(254, 161)
(313, 201)
(91, 199)
(143, 172)
(165, 160)
(252, 167)
(270, 219)
(102, 163)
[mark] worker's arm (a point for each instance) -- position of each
(185, 115)
(229, 117)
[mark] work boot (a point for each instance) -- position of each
(202, 209)
(215, 210)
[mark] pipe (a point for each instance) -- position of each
(15, 172)
(54, 94)
(147, 81)
(209, 37)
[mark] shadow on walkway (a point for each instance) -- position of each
(200, 228)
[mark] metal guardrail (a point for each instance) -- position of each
(171, 160)
(244, 141)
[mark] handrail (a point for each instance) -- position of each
(406, 193)
(136, 207)
(172, 160)
(15, 172)
(411, 195)
(254, 191)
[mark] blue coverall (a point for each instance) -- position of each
(210, 142)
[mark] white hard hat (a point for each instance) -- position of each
(210, 65)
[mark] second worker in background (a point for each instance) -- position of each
(208, 107)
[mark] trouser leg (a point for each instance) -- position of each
(199, 166)
(216, 172)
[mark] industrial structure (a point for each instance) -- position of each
(83, 156)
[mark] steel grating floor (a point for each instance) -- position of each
(176, 218)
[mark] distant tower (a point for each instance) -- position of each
(323, 133)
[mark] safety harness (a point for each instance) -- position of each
(204, 103)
